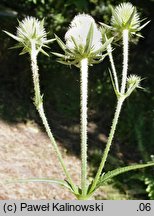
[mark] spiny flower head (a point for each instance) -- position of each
(133, 82)
(83, 40)
(125, 16)
(31, 30)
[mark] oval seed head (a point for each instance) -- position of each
(79, 29)
(83, 40)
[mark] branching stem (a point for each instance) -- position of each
(120, 101)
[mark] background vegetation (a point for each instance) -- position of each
(134, 141)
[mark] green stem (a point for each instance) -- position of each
(84, 96)
(109, 142)
(118, 108)
(125, 35)
(39, 106)
(109, 50)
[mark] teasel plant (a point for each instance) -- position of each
(85, 44)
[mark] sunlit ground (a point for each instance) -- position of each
(26, 152)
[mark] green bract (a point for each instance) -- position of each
(83, 40)
(29, 31)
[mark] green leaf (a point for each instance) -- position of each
(50, 40)
(41, 180)
(60, 42)
(16, 46)
(105, 25)
(89, 38)
(141, 27)
(59, 55)
(24, 51)
(67, 62)
(113, 84)
(75, 43)
(13, 36)
(43, 52)
(97, 61)
(42, 23)
(103, 47)
(130, 18)
(119, 171)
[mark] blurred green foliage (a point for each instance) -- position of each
(60, 84)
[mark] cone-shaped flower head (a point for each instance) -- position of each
(125, 16)
(83, 40)
(31, 30)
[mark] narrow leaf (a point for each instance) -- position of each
(16, 46)
(59, 55)
(105, 26)
(50, 40)
(75, 43)
(103, 47)
(41, 180)
(143, 25)
(13, 36)
(24, 51)
(60, 42)
(64, 62)
(113, 84)
(130, 18)
(95, 61)
(67, 62)
(119, 171)
(43, 52)
(42, 23)
(89, 38)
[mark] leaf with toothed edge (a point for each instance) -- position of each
(119, 171)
